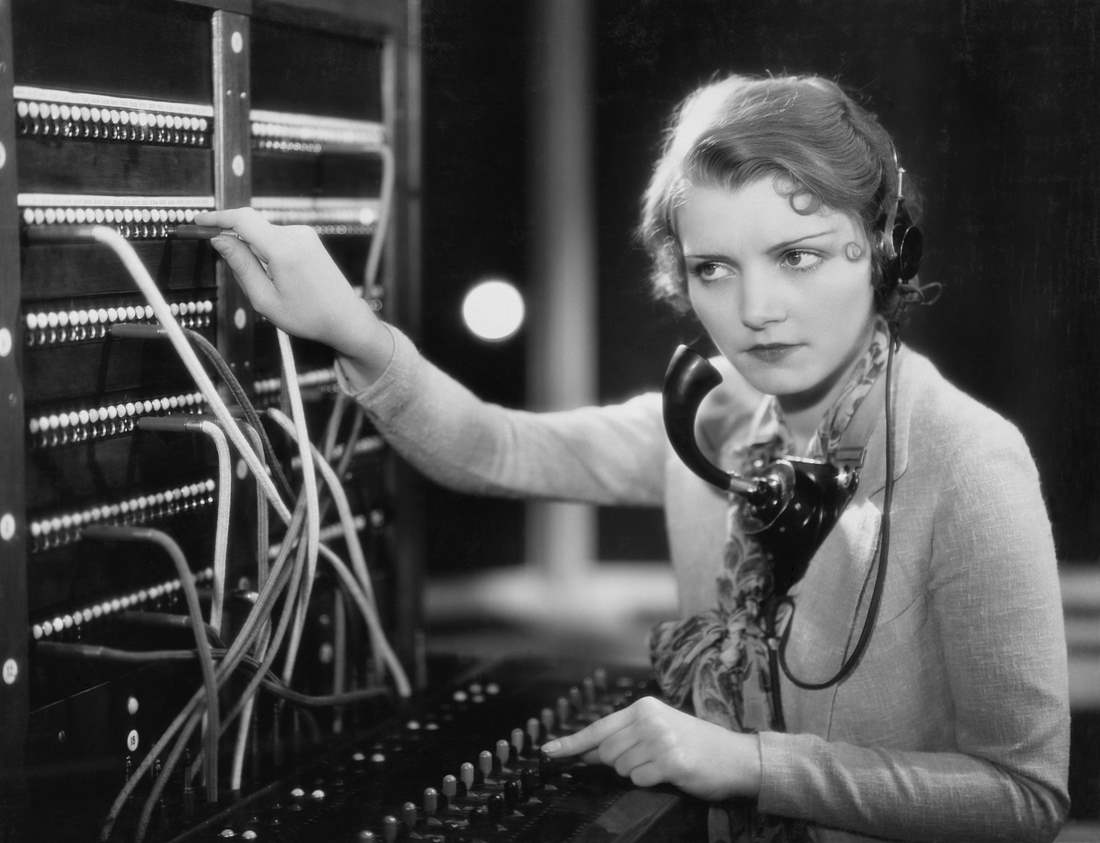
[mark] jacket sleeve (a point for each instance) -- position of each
(995, 598)
(602, 455)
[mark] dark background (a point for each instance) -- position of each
(994, 109)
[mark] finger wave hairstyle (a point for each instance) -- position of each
(824, 147)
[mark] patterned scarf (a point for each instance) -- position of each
(717, 663)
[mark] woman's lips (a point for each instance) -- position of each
(772, 352)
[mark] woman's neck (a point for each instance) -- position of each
(804, 411)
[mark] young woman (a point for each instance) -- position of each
(771, 215)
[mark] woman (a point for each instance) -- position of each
(770, 214)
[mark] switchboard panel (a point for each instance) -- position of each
(171, 636)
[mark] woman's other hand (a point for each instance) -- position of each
(293, 281)
(652, 743)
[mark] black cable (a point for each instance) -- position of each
(187, 720)
(193, 717)
(779, 722)
(244, 402)
(169, 620)
(854, 659)
(202, 646)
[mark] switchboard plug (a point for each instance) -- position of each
(134, 331)
(190, 231)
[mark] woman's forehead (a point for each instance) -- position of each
(762, 213)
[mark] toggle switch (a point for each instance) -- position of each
(576, 699)
(450, 787)
(563, 712)
(390, 828)
(484, 765)
(466, 777)
(500, 759)
(546, 718)
(430, 804)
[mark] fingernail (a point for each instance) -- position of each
(551, 747)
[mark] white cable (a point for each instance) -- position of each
(244, 725)
(119, 245)
(221, 533)
(313, 504)
(191, 425)
(339, 497)
(332, 429)
(370, 274)
(110, 238)
(370, 615)
(385, 209)
(240, 745)
(358, 559)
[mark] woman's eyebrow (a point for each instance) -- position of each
(778, 247)
(709, 256)
(786, 244)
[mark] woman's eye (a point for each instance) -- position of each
(801, 260)
(710, 271)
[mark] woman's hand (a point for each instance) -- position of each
(292, 280)
(652, 743)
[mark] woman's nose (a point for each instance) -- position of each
(761, 302)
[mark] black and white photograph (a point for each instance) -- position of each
(549, 421)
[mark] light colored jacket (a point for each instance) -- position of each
(955, 726)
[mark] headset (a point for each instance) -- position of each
(791, 506)
(904, 249)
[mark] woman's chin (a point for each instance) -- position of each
(777, 381)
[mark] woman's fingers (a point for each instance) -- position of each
(290, 278)
(616, 741)
(618, 745)
(631, 757)
(651, 742)
(248, 271)
(647, 775)
(247, 223)
(590, 737)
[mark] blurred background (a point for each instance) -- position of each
(541, 120)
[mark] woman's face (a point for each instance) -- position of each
(785, 296)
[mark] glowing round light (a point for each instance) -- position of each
(493, 310)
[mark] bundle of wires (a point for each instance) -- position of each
(275, 623)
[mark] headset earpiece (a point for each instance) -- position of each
(906, 242)
(908, 245)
